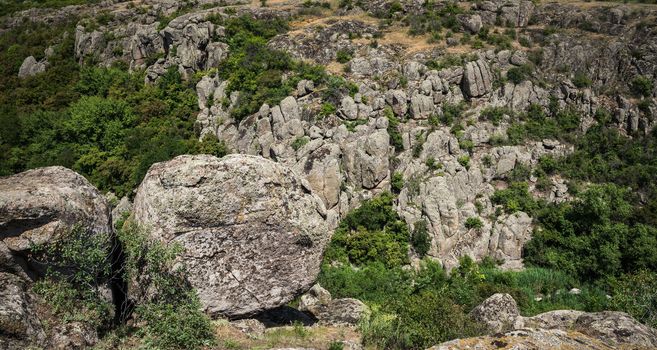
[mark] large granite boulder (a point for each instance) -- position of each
(499, 312)
(19, 325)
(337, 312)
(253, 233)
(40, 205)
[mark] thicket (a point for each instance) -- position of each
(104, 123)
(82, 264)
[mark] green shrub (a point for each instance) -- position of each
(516, 198)
(420, 238)
(642, 86)
(464, 160)
(393, 130)
(581, 80)
(397, 182)
(635, 294)
(495, 114)
(167, 306)
(373, 232)
(78, 266)
(473, 223)
(300, 142)
(519, 74)
(343, 56)
(432, 164)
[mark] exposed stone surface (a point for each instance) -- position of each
(253, 233)
(19, 324)
(38, 206)
(498, 312)
(31, 67)
(477, 79)
(528, 339)
(616, 328)
(329, 311)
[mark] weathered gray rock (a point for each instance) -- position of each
(31, 67)
(250, 327)
(616, 328)
(477, 79)
(73, 335)
(252, 231)
(499, 312)
(19, 324)
(526, 339)
(346, 311)
(471, 23)
(38, 206)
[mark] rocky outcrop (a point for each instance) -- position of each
(345, 311)
(40, 205)
(31, 67)
(528, 339)
(598, 330)
(19, 325)
(477, 78)
(253, 233)
(499, 313)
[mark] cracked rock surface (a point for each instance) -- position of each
(252, 230)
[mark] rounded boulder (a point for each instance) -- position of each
(253, 233)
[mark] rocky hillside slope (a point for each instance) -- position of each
(326, 105)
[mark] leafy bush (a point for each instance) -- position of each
(636, 294)
(373, 232)
(581, 80)
(343, 56)
(420, 238)
(519, 74)
(464, 160)
(397, 182)
(516, 198)
(473, 223)
(593, 238)
(495, 114)
(166, 304)
(642, 86)
(393, 130)
(78, 266)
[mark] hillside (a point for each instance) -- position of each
(386, 174)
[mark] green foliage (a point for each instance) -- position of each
(432, 164)
(256, 70)
(642, 86)
(464, 160)
(77, 268)
(300, 142)
(343, 56)
(495, 114)
(397, 182)
(373, 232)
(420, 239)
(581, 80)
(327, 109)
(519, 74)
(393, 130)
(516, 198)
(166, 304)
(473, 223)
(636, 294)
(594, 237)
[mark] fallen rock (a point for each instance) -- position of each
(334, 312)
(19, 325)
(38, 206)
(526, 339)
(252, 231)
(499, 312)
(31, 67)
(616, 328)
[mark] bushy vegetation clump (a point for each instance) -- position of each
(372, 233)
(82, 264)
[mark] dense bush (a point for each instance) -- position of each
(519, 74)
(642, 86)
(516, 198)
(373, 232)
(594, 237)
(78, 266)
(420, 239)
(111, 134)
